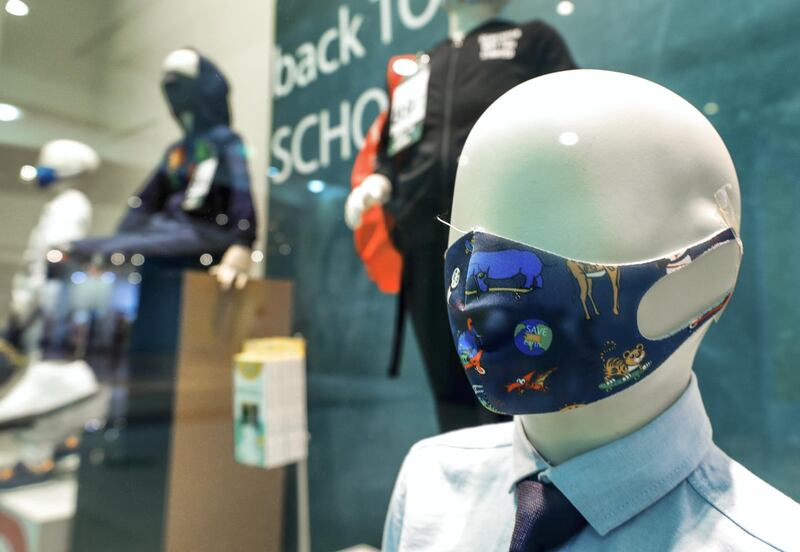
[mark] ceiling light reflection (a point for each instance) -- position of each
(565, 8)
(568, 138)
(9, 112)
(17, 7)
(27, 173)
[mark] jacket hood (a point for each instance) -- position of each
(198, 103)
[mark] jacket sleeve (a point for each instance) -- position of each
(148, 200)
(547, 52)
(241, 212)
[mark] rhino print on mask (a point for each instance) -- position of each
(511, 270)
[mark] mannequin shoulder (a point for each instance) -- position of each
(479, 437)
(747, 501)
(538, 26)
(539, 32)
(439, 47)
(463, 450)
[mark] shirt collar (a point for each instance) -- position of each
(611, 484)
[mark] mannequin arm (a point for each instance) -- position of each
(151, 198)
(234, 269)
(375, 190)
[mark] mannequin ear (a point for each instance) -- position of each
(681, 296)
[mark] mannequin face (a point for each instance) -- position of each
(196, 91)
(606, 169)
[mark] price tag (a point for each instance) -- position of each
(409, 104)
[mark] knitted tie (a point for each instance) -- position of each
(545, 518)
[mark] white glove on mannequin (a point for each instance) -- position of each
(375, 190)
(234, 269)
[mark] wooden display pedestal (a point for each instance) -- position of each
(213, 503)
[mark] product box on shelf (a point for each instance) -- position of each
(269, 406)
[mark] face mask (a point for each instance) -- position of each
(180, 95)
(538, 333)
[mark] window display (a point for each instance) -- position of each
(412, 274)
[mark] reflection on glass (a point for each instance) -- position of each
(9, 112)
(568, 138)
(17, 7)
(565, 8)
(316, 186)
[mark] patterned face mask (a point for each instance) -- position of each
(537, 332)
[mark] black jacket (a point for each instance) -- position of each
(465, 79)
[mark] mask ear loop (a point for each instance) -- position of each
(726, 212)
(459, 230)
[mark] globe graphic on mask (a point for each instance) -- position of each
(533, 337)
(467, 346)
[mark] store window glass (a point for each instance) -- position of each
(222, 292)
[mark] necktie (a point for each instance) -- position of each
(545, 518)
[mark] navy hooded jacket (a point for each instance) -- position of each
(204, 175)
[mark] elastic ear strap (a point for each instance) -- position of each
(462, 232)
(726, 212)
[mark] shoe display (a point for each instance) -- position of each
(44, 387)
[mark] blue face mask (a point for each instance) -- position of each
(45, 176)
(538, 333)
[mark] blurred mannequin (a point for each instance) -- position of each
(617, 173)
(47, 397)
(67, 216)
(198, 200)
(455, 82)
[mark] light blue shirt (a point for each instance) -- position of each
(664, 487)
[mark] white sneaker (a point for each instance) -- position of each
(44, 387)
